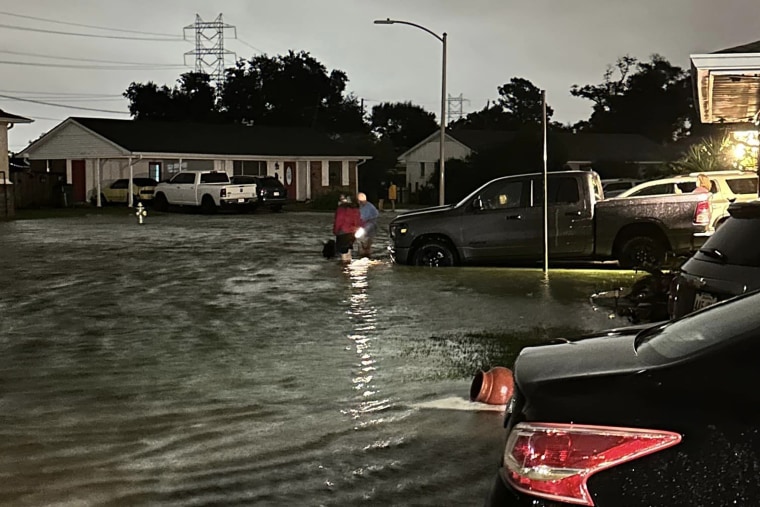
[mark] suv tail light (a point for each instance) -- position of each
(702, 213)
(554, 461)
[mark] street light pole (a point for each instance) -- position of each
(442, 141)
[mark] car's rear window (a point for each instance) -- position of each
(270, 182)
(214, 178)
(699, 331)
(736, 240)
(742, 185)
(144, 182)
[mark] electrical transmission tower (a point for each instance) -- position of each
(455, 110)
(209, 50)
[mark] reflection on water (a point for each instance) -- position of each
(221, 360)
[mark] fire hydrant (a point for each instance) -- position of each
(140, 213)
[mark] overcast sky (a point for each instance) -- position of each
(554, 43)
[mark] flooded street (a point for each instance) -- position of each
(220, 360)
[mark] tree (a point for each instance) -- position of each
(293, 90)
(402, 123)
(289, 90)
(519, 104)
(651, 98)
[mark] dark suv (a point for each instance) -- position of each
(728, 264)
(270, 190)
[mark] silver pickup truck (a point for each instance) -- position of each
(502, 222)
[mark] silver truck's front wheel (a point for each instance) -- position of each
(434, 254)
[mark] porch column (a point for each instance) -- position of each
(97, 181)
(131, 178)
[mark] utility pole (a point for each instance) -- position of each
(209, 50)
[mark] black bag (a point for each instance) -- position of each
(328, 249)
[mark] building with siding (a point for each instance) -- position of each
(88, 152)
(7, 203)
(583, 150)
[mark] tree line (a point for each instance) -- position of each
(652, 98)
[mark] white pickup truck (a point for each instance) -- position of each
(209, 190)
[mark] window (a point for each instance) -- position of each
(335, 168)
(422, 169)
(119, 184)
(214, 178)
(249, 167)
(562, 190)
(502, 195)
(183, 178)
(742, 185)
(154, 170)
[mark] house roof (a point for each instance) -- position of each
(580, 147)
(752, 47)
(215, 139)
(13, 118)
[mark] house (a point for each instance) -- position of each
(583, 150)
(7, 204)
(91, 151)
(727, 84)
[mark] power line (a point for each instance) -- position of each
(62, 105)
(68, 94)
(79, 34)
(89, 26)
(95, 60)
(252, 47)
(91, 67)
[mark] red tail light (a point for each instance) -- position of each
(223, 192)
(702, 213)
(554, 461)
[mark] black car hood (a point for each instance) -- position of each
(423, 212)
(592, 356)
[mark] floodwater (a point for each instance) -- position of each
(220, 360)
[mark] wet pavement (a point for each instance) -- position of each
(220, 360)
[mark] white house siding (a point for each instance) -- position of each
(74, 142)
(429, 153)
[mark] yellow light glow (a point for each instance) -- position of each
(739, 151)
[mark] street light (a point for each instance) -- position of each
(442, 38)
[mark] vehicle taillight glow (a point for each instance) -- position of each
(702, 213)
(554, 461)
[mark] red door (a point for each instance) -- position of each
(79, 180)
(290, 179)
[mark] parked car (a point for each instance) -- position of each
(118, 191)
(616, 186)
(726, 187)
(728, 264)
(271, 191)
(502, 222)
(642, 416)
(209, 190)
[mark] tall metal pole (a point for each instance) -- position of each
(442, 38)
(546, 204)
(441, 190)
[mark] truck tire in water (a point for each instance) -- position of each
(208, 205)
(160, 203)
(434, 253)
(640, 251)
